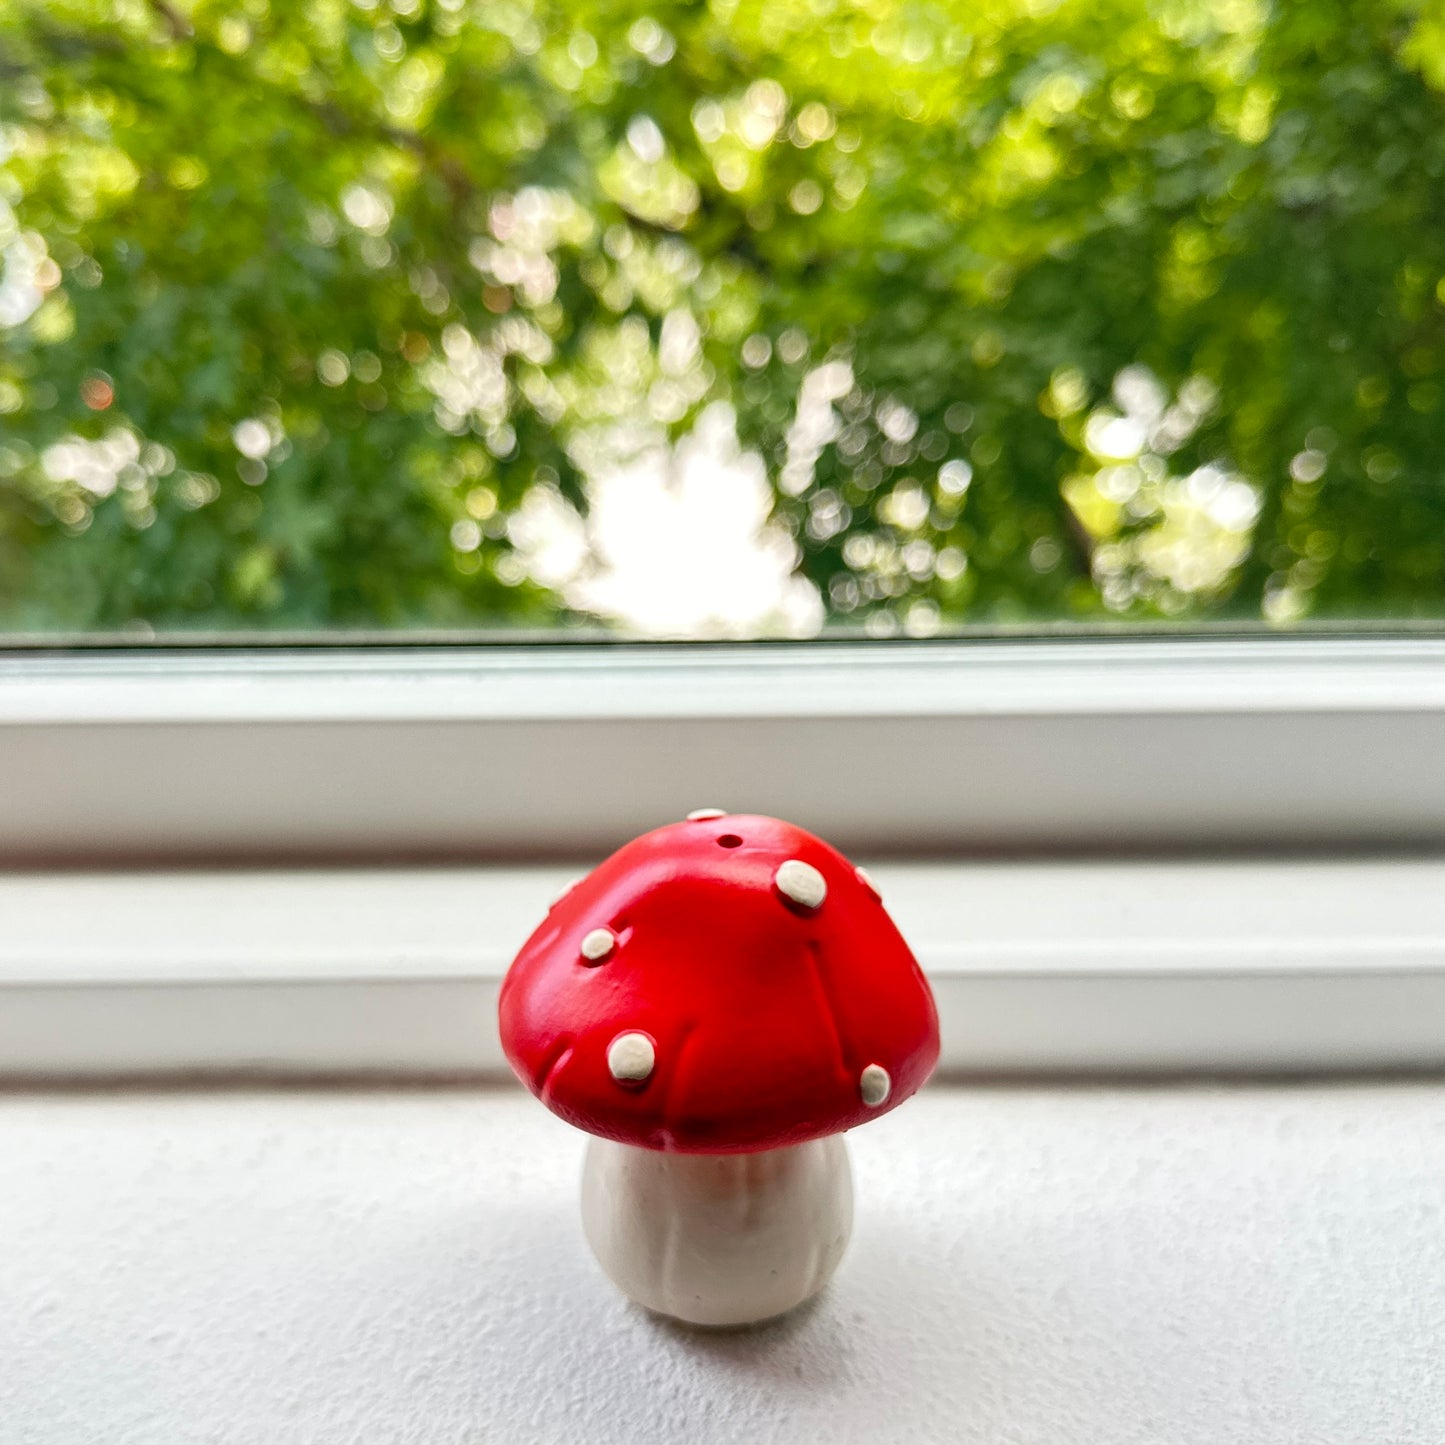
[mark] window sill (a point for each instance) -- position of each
(1190, 1264)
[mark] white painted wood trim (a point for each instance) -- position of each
(1038, 967)
(510, 752)
(637, 681)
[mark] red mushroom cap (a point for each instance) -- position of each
(722, 985)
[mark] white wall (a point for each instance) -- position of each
(1031, 1265)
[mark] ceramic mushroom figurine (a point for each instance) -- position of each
(716, 1004)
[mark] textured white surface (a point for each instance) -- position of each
(1083, 1267)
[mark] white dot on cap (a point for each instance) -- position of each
(801, 883)
(563, 892)
(866, 879)
(703, 815)
(874, 1085)
(630, 1058)
(598, 945)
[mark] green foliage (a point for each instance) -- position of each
(1036, 310)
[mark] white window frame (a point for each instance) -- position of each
(175, 825)
(897, 747)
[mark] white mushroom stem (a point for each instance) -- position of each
(718, 1239)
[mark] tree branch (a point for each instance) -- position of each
(179, 27)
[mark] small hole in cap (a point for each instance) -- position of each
(729, 840)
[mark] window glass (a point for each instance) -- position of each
(762, 317)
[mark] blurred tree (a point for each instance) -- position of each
(1036, 310)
